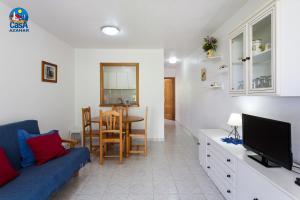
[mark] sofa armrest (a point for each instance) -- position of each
(71, 142)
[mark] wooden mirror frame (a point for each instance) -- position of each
(102, 65)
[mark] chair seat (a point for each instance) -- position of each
(137, 133)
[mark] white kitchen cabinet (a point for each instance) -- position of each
(202, 149)
(252, 55)
(122, 80)
(106, 80)
(237, 176)
(253, 187)
(112, 80)
(262, 45)
(263, 58)
(119, 80)
(237, 65)
(132, 80)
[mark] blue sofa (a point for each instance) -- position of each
(37, 182)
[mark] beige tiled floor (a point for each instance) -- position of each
(171, 171)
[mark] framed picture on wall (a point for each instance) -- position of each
(49, 72)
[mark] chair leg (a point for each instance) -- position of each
(130, 143)
(101, 152)
(127, 139)
(145, 146)
(83, 140)
(91, 143)
(121, 152)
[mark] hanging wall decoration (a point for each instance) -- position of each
(203, 74)
(49, 72)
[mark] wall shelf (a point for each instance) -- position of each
(213, 58)
(215, 85)
(223, 69)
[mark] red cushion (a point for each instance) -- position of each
(7, 172)
(46, 147)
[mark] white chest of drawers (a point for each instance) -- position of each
(239, 177)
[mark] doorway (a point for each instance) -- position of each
(170, 98)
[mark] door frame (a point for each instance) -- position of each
(174, 96)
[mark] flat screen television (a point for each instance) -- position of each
(268, 138)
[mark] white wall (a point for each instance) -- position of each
(23, 95)
(170, 71)
(87, 82)
(201, 107)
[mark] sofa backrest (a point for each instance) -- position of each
(9, 140)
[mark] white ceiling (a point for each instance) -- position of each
(178, 26)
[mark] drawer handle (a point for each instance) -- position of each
(208, 155)
(228, 160)
(255, 199)
(198, 143)
(208, 144)
(228, 176)
(208, 167)
(228, 191)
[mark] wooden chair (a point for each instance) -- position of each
(112, 134)
(139, 134)
(87, 129)
(124, 109)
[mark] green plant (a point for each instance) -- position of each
(210, 43)
(262, 47)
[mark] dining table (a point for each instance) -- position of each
(127, 120)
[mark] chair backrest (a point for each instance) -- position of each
(86, 118)
(124, 109)
(113, 121)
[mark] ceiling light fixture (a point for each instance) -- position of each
(173, 60)
(110, 30)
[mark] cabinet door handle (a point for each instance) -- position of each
(228, 176)
(228, 191)
(208, 155)
(245, 59)
(228, 160)
(198, 143)
(255, 199)
(208, 167)
(208, 143)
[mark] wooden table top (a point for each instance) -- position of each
(126, 119)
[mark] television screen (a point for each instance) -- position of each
(270, 139)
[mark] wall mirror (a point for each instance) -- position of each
(119, 83)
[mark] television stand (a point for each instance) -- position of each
(264, 161)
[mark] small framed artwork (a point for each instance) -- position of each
(49, 72)
(203, 74)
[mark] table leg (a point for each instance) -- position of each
(127, 139)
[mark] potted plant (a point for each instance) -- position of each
(210, 46)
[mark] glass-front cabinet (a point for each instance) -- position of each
(237, 64)
(252, 56)
(262, 45)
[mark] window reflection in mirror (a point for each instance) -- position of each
(119, 84)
